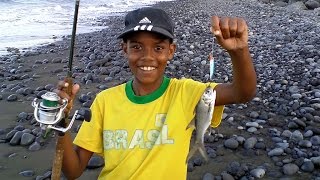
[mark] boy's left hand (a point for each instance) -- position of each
(231, 32)
(61, 91)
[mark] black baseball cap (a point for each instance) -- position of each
(148, 19)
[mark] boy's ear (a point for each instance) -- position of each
(124, 48)
(172, 50)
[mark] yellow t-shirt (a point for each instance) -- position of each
(143, 137)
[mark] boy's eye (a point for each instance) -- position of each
(159, 48)
(135, 46)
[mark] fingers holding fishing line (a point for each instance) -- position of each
(215, 27)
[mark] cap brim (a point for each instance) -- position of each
(154, 29)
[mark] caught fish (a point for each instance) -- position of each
(202, 121)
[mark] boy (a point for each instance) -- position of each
(140, 127)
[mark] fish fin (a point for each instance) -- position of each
(192, 124)
(192, 151)
(203, 152)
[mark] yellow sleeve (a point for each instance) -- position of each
(89, 136)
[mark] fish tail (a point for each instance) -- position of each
(203, 152)
(192, 151)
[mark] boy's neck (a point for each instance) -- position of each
(140, 89)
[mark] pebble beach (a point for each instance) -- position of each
(274, 136)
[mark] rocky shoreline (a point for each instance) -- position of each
(295, 4)
(275, 136)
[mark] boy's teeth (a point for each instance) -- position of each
(147, 68)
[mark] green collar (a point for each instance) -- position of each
(147, 98)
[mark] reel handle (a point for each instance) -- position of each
(85, 112)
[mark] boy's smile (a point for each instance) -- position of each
(147, 54)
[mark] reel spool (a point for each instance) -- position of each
(49, 112)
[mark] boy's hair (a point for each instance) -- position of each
(148, 19)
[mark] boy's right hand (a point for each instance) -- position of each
(231, 32)
(61, 92)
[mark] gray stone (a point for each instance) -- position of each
(231, 143)
(95, 162)
(276, 152)
(252, 129)
(27, 139)
(40, 178)
(12, 97)
(308, 133)
(315, 140)
(305, 143)
(294, 89)
(282, 145)
(19, 127)
(226, 176)
(316, 161)
(296, 96)
(27, 173)
(290, 169)
(300, 122)
(252, 124)
(10, 134)
(286, 133)
(293, 125)
(2, 131)
(34, 146)
(258, 172)
(190, 167)
(296, 136)
(250, 143)
(208, 176)
(260, 145)
(240, 139)
(198, 161)
(27, 131)
(254, 114)
(307, 166)
(312, 4)
(16, 138)
(47, 174)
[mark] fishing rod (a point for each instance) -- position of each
(58, 157)
(54, 115)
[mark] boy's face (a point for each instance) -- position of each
(148, 54)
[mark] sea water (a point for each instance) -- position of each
(25, 24)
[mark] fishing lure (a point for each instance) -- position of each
(211, 60)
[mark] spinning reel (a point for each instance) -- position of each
(49, 112)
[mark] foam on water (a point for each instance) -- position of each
(26, 24)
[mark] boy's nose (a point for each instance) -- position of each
(148, 54)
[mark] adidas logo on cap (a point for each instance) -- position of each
(145, 20)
